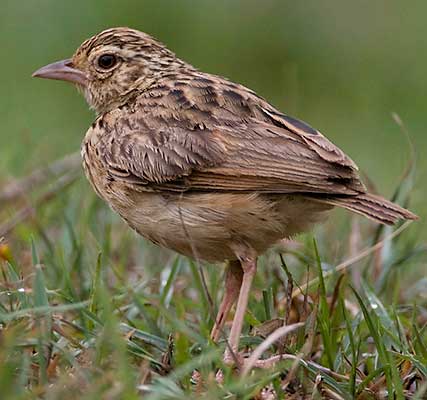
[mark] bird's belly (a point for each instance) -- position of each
(206, 226)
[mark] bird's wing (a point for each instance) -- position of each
(177, 141)
(150, 157)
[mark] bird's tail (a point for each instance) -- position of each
(374, 207)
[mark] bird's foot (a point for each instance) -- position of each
(241, 362)
(244, 363)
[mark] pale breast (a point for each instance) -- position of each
(206, 226)
(93, 166)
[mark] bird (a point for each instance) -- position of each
(202, 165)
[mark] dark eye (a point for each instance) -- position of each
(107, 61)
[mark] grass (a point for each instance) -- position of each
(90, 311)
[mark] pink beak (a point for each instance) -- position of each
(63, 71)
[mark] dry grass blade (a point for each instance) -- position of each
(331, 394)
(15, 189)
(25, 212)
(271, 339)
(353, 260)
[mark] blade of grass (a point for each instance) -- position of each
(379, 309)
(96, 282)
(353, 349)
(43, 321)
(364, 384)
(374, 329)
(323, 316)
(267, 296)
(16, 279)
(201, 290)
(346, 264)
(28, 312)
(419, 342)
(165, 293)
(145, 337)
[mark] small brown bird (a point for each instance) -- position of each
(204, 166)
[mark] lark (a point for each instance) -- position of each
(202, 165)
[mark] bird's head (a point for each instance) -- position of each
(108, 66)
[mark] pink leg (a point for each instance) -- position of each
(233, 281)
(248, 262)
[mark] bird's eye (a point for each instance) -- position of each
(107, 61)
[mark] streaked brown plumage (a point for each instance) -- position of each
(202, 165)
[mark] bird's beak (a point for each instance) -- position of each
(63, 71)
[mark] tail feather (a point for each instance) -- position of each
(374, 207)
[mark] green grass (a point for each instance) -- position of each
(88, 310)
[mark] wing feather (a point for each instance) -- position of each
(178, 145)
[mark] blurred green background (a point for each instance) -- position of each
(342, 66)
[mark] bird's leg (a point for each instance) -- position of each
(233, 281)
(247, 259)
